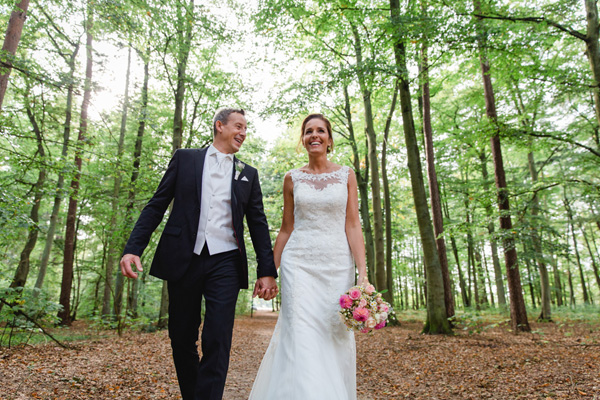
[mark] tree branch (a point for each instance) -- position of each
(537, 20)
(33, 321)
(570, 141)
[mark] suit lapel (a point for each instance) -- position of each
(234, 183)
(199, 168)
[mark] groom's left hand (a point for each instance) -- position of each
(265, 288)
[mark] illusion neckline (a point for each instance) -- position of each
(322, 173)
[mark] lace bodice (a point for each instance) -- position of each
(320, 201)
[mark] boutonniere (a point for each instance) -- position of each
(239, 167)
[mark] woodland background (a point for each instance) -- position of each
(472, 126)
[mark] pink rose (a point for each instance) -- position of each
(380, 325)
(345, 301)
(371, 323)
(383, 307)
(370, 289)
(360, 314)
(362, 303)
(354, 294)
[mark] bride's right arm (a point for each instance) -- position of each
(287, 223)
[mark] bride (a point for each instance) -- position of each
(312, 356)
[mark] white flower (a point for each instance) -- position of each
(239, 166)
(371, 323)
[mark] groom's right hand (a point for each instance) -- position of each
(125, 263)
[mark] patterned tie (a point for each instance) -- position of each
(222, 164)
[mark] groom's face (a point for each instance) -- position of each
(231, 135)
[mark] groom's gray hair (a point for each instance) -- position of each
(223, 116)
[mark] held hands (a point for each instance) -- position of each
(126, 269)
(265, 288)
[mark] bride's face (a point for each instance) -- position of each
(316, 137)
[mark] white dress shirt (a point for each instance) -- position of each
(215, 227)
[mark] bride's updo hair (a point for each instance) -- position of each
(327, 125)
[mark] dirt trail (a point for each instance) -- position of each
(559, 361)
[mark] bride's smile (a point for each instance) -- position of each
(316, 136)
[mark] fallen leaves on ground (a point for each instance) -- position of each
(556, 362)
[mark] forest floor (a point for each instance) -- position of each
(556, 361)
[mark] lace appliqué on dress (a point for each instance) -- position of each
(321, 181)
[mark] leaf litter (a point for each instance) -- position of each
(555, 362)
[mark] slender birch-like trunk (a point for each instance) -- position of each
(69, 253)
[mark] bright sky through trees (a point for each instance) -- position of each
(253, 59)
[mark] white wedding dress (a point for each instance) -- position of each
(312, 356)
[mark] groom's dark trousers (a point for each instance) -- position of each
(215, 279)
(191, 277)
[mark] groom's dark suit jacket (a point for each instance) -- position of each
(182, 183)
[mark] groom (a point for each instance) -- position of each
(201, 252)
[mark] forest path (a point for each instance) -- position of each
(558, 361)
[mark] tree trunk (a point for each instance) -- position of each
(434, 190)
(380, 273)
(76, 298)
(11, 42)
(477, 278)
(558, 292)
(545, 293)
(591, 253)
(461, 278)
(592, 257)
(596, 217)
(530, 278)
(518, 312)
(471, 275)
(60, 192)
(113, 235)
(545, 314)
(486, 272)
(184, 39)
(586, 297)
(137, 153)
(132, 301)
(416, 284)
(387, 202)
(591, 231)
(517, 304)
(593, 50)
(69, 252)
(22, 270)
(437, 322)
(406, 292)
(491, 231)
(481, 276)
(567, 253)
(163, 320)
(571, 289)
(362, 179)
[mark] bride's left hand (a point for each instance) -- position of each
(363, 281)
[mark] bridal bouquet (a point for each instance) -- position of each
(363, 309)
